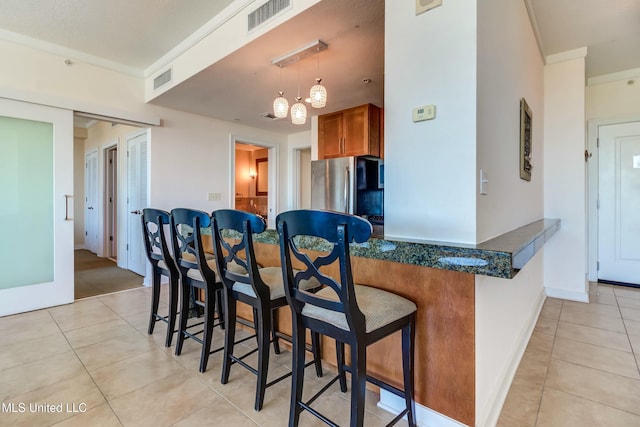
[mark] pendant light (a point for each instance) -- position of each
(318, 92)
(298, 110)
(280, 104)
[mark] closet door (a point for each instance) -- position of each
(36, 208)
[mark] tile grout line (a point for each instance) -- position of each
(87, 371)
(627, 332)
(546, 373)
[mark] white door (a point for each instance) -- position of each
(91, 235)
(36, 212)
(136, 201)
(619, 201)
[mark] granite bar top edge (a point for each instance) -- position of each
(502, 256)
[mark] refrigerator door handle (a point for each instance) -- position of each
(346, 190)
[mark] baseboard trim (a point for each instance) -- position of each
(425, 417)
(77, 247)
(566, 294)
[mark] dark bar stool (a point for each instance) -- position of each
(260, 288)
(196, 273)
(351, 314)
(162, 264)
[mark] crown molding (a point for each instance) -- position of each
(613, 77)
(72, 54)
(568, 55)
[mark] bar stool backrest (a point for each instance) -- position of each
(155, 242)
(233, 237)
(337, 229)
(186, 238)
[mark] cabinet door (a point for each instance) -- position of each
(356, 132)
(330, 133)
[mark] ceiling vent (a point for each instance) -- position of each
(266, 12)
(162, 79)
(268, 115)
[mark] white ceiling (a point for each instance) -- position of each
(132, 35)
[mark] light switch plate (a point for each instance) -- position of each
(426, 112)
(484, 183)
(214, 196)
(424, 5)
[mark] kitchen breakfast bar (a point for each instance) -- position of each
(440, 278)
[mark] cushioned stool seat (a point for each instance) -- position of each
(379, 307)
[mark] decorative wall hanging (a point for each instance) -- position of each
(525, 140)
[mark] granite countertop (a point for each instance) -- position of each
(502, 256)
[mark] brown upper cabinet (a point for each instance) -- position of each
(351, 132)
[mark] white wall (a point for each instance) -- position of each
(189, 155)
(510, 67)
(506, 312)
(617, 99)
(430, 167)
(565, 185)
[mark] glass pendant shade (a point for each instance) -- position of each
(298, 112)
(280, 106)
(318, 95)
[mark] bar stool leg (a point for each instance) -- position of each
(209, 314)
(274, 323)
(408, 360)
(229, 334)
(340, 363)
(155, 300)
(264, 334)
(298, 336)
(184, 314)
(173, 309)
(358, 383)
(315, 349)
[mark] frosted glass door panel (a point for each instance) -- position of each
(26, 210)
(36, 205)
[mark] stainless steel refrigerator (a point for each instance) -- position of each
(352, 185)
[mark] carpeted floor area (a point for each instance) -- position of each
(99, 276)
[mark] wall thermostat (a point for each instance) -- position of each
(426, 112)
(424, 5)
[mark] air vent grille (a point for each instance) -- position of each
(266, 12)
(162, 79)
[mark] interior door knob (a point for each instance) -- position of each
(90, 208)
(137, 212)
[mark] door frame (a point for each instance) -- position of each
(593, 126)
(273, 156)
(98, 203)
(113, 144)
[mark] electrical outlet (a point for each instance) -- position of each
(214, 196)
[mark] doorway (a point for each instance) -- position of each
(109, 233)
(255, 185)
(618, 202)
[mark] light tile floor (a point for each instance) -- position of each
(95, 358)
(581, 365)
